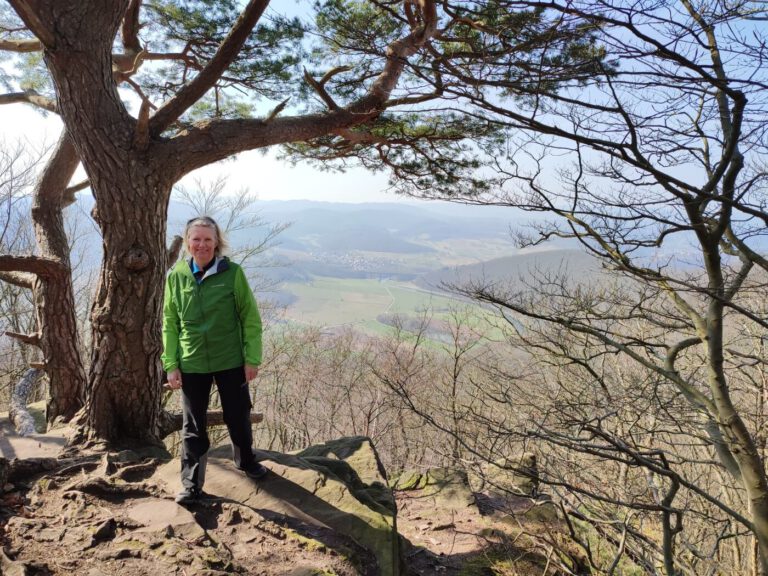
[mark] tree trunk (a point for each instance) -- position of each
(741, 442)
(53, 293)
(123, 388)
(124, 383)
(59, 341)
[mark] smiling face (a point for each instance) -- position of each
(201, 244)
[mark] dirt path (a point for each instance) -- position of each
(33, 446)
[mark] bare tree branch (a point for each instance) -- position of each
(32, 339)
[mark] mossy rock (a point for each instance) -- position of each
(504, 560)
(37, 411)
(543, 511)
(515, 475)
(354, 460)
(357, 451)
(305, 542)
(448, 487)
(409, 480)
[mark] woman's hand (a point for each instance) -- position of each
(251, 372)
(174, 379)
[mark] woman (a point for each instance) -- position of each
(211, 331)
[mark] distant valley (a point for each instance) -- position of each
(359, 264)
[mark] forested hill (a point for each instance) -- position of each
(383, 227)
(383, 240)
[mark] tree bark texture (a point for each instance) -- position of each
(123, 387)
(125, 377)
(53, 293)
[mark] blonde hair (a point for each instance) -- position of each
(222, 246)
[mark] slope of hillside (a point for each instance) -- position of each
(515, 269)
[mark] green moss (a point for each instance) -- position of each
(132, 545)
(312, 545)
(409, 480)
(46, 483)
(213, 560)
(307, 543)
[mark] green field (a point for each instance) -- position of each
(335, 302)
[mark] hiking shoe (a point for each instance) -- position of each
(188, 496)
(254, 470)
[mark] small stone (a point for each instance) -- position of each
(248, 536)
(105, 531)
(49, 535)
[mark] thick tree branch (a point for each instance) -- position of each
(225, 55)
(358, 137)
(218, 139)
(45, 267)
(141, 136)
(215, 140)
(31, 339)
(69, 194)
(20, 279)
(28, 12)
(397, 54)
(171, 422)
(130, 27)
(21, 45)
(51, 195)
(29, 97)
(174, 249)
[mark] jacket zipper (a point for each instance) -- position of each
(199, 291)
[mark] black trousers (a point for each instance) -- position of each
(236, 405)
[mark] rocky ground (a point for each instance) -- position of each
(105, 514)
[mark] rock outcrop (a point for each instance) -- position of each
(324, 510)
(337, 487)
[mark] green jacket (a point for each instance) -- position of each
(211, 326)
